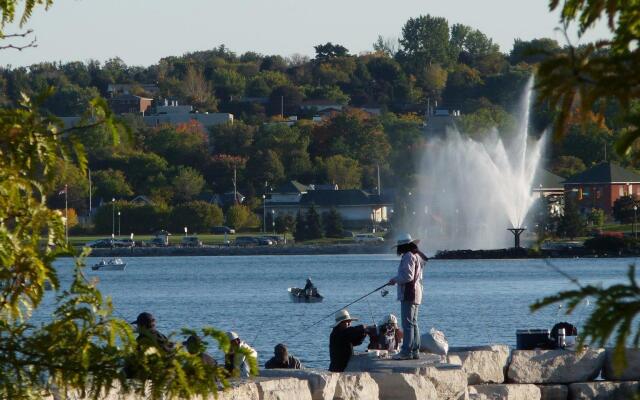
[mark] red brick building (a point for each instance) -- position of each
(601, 185)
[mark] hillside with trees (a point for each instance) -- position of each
(433, 62)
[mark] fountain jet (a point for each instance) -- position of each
(473, 186)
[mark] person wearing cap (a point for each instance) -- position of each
(235, 361)
(309, 288)
(282, 359)
(409, 281)
(343, 338)
(194, 345)
(387, 335)
(148, 335)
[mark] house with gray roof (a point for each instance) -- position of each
(601, 185)
(358, 208)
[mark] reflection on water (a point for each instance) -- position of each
(472, 301)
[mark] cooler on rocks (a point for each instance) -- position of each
(530, 339)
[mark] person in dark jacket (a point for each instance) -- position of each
(148, 335)
(194, 345)
(282, 359)
(343, 338)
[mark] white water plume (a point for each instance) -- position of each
(471, 191)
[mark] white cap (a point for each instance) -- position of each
(232, 335)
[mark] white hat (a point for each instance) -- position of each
(391, 319)
(232, 335)
(343, 315)
(406, 239)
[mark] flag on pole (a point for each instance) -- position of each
(63, 191)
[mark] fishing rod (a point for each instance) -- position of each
(343, 307)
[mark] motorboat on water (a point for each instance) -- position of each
(299, 295)
(114, 264)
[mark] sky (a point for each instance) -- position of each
(141, 32)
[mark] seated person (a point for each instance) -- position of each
(282, 359)
(236, 362)
(194, 345)
(148, 335)
(387, 336)
(309, 288)
(343, 338)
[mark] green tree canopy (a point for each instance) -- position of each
(187, 184)
(197, 216)
(425, 40)
(110, 184)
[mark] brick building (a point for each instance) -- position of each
(601, 185)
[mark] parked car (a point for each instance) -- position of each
(100, 243)
(275, 239)
(368, 237)
(124, 243)
(221, 230)
(191, 241)
(158, 242)
(246, 241)
(264, 241)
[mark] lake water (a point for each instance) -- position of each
(473, 302)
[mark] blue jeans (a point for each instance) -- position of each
(410, 329)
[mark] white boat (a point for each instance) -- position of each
(114, 264)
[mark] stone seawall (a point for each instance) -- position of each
(241, 251)
(473, 373)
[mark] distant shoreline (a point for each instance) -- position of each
(177, 251)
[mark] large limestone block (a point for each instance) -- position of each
(604, 390)
(356, 386)
(363, 362)
(630, 373)
(450, 381)
(504, 392)
(554, 392)
(481, 366)
(555, 366)
(283, 389)
(240, 390)
(321, 383)
(404, 387)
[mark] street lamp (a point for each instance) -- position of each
(264, 213)
(119, 223)
(113, 217)
(273, 221)
(635, 219)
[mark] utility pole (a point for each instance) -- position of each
(89, 193)
(113, 217)
(282, 106)
(66, 216)
(235, 189)
(378, 167)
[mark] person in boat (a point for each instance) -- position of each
(282, 359)
(387, 335)
(309, 288)
(193, 344)
(148, 335)
(343, 338)
(236, 360)
(409, 281)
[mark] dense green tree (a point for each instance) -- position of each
(284, 99)
(485, 119)
(424, 41)
(265, 166)
(313, 224)
(566, 166)
(135, 218)
(239, 217)
(623, 211)
(109, 183)
(571, 224)
(285, 223)
(300, 234)
(187, 184)
(77, 188)
(183, 144)
(196, 90)
(197, 216)
(343, 171)
(596, 217)
(533, 51)
(70, 100)
(234, 139)
(330, 50)
(332, 221)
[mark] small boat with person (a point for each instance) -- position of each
(114, 264)
(299, 295)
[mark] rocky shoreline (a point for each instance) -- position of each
(466, 373)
